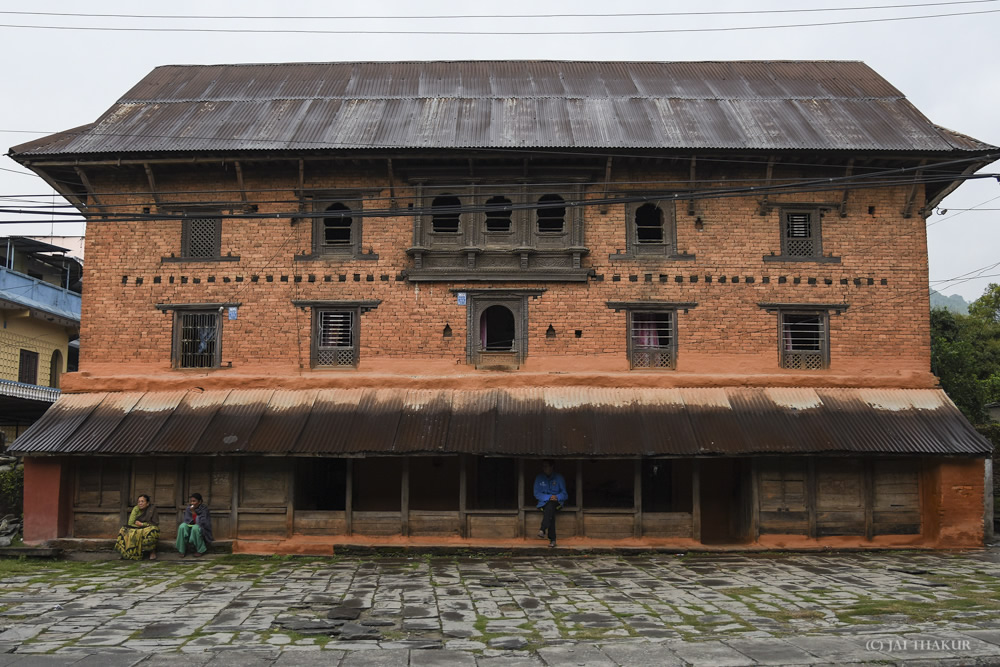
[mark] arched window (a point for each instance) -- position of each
(55, 369)
(649, 224)
(337, 228)
(498, 214)
(445, 214)
(497, 331)
(551, 218)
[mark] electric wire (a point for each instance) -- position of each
(500, 33)
(347, 17)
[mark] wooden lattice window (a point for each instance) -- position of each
(337, 223)
(27, 369)
(800, 233)
(804, 341)
(197, 338)
(652, 339)
(201, 236)
(335, 341)
(551, 214)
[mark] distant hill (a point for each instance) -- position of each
(954, 303)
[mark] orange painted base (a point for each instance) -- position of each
(46, 499)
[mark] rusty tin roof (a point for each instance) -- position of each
(766, 105)
(511, 422)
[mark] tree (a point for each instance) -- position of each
(965, 354)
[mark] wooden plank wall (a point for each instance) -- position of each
(98, 502)
(264, 498)
(839, 496)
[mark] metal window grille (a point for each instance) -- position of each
(337, 229)
(446, 214)
(800, 240)
(198, 339)
(202, 237)
(335, 345)
(551, 220)
(803, 341)
(649, 224)
(652, 339)
(27, 370)
(498, 214)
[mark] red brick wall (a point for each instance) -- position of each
(883, 333)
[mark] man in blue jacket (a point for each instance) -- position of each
(550, 492)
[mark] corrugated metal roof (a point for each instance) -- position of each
(554, 422)
(795, 105)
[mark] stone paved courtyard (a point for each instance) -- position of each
(558, 609)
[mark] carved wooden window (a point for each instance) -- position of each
(197, 338)
(800, 233)
(804, 340)
(201, 235)
(446, 214)
(652, 339)
(498, 215)
(649, 229)
(551, 215)
(335, 338)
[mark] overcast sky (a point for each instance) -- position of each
(59, 79)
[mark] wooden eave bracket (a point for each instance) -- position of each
(239, 181)
(392, 182)
(765, 206)
(917, 175)
(607, 182)
(152, 183)
(91, 193)
(692, 184)
(843, 199)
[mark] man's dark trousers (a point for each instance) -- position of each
(549, 519)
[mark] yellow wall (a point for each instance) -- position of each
(28, 333)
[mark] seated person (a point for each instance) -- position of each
(196, 530)
(141, 532)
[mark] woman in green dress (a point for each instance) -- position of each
(142, 531)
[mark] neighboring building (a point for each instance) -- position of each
(40, 307)
(993, 411)
(359, 301)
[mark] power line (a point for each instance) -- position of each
(498, 16)
(646, 31)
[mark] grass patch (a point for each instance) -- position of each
(741, 591)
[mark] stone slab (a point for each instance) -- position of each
(772, 652)
(643, 654)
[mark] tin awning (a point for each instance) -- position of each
(572, 421)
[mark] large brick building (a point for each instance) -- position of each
(359, 301)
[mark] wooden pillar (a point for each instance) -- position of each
(811, 495)
(579, 497)
(754, 500)
(869, 474)
(125, 497)
(290, 496)
(462, 483)
(696, 500)
(520, 498)
(349, 499)
(237, 482)
(404, 500)
(637, 499)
